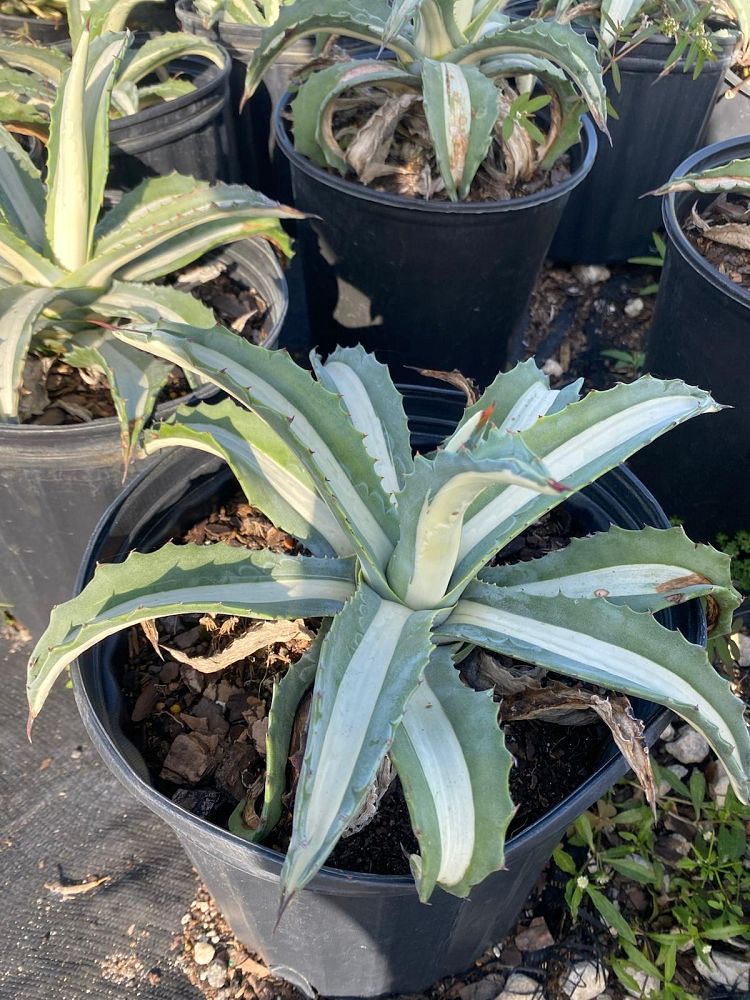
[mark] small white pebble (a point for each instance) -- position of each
(203, 953)
(743, 644)
(633, 308)
(585, 981)
(591, 274)
(689, 747)
(552, 368)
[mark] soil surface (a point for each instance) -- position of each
(732, 262)
(57, 394)
(590, 322)
(726, 220)
(203, 735)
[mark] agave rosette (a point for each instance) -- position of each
(399, 571)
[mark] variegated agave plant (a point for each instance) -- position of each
(30, 74)
(260, 13)
(401, 547)
(635, 21)
(469, 69)
(61, 265)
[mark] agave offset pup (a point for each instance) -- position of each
(30, 74)
(400, 572)
(66, 267)
(458, 94)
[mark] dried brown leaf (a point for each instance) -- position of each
(733, 234)
(250, 817)
(483, 671)
(454, 378)
(76, 888)
(376, 791)
(33, 398)
(152, 634)
(555, 701)
(370, 148)
(257, 637)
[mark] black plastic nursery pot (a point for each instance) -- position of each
(193, 134)
(56, 482)
(259, 167)
(730, 117)
(346, 934)
(34, 29)
(422, 283)
(659, 123)
(700, 333)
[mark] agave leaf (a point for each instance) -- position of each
(402, 12)
(67, 215)
(184, 579)
(49, 63)
(453, 764)
(158, 52)
(513, 402)
(482, 12)
(370, 663)
(432, 507)
(152, 303)
(558, 43)
(648, 569)
(31, 266)
(167, 90)
(436, 32)
(570, 105)
(177, 252)
(125, 100)
(110, 15)
(363, 19)
(20, 308)
(303, 412)
(285, 701)
(167, 222)
(135, 380)
(577, 445)
(614, 647)
(25, 99)
(271, 476)
(461, 107)
(105, 56)
(375, 406)
(311, 137)
(261, 14)
(78, 151)
(615, 15)
(733, 177)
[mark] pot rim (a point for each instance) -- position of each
(331, 880)
(708, 156)
(587, 139)
(214, 81)
(27, 434)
